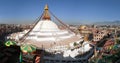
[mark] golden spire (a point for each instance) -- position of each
(46, 7)
(46, 15)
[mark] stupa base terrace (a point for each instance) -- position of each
(49, 44)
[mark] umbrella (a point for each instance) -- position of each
(9, 43)
(28, 48)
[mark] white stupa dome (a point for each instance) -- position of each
(46, 25)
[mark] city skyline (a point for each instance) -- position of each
(72, 11)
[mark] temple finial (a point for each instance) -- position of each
(46, 7)
(46, 15)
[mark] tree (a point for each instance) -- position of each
(75, 44)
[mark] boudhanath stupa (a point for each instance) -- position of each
(61, 42)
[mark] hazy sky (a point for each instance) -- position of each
(69, 11)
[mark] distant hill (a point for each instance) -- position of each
(117, 22)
